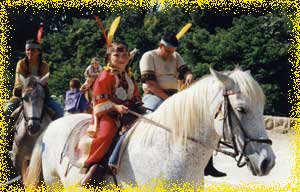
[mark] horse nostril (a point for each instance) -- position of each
(33, 129)
(264, 166)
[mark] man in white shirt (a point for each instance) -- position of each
(161, 69)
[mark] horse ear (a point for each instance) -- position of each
(43, 80)
(224, 79)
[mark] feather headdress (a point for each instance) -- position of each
(110, 35)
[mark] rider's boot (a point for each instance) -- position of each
(94, 176)
(211, 170)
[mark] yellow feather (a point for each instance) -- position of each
(183, 30)
(112, 30)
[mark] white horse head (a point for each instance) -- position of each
(188, 128)
(243, 105)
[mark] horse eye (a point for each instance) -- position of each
(241, 109)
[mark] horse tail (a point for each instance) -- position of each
(34, 173)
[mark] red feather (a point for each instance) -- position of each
(100, 25)
(40, 34)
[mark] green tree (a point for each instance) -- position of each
(69, 51)
(257, 43)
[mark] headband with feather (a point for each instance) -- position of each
(183, 30)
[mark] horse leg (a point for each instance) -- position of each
(20, 147)
(16, 157)
(51, 166)
(24, 167)
(50, 175)
(34, 170)
(20, 162)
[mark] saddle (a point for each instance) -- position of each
(74, 152)
(71, 149)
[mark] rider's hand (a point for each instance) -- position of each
(188, 79)
(122, 109)
(83, 88)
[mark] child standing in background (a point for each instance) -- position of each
(75, 101)
(91, 73)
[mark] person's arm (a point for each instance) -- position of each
(45, 69)
(83, 104)
(148, 76)
(184, 73)
(103, 91)
(86, 72)
(121, 109)
(188, 78)
(20, 70)
(154, 87)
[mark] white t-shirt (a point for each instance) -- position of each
(165, 70)
(90, 71)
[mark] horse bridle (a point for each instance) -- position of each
(230, 114)
(33, 118)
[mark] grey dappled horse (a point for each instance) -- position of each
(32, 120)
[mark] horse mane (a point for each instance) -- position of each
(177, 112)
(249, 87)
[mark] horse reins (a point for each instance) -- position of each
(166, 128)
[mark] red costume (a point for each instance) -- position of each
(111, 87)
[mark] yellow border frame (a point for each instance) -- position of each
(243, 5)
